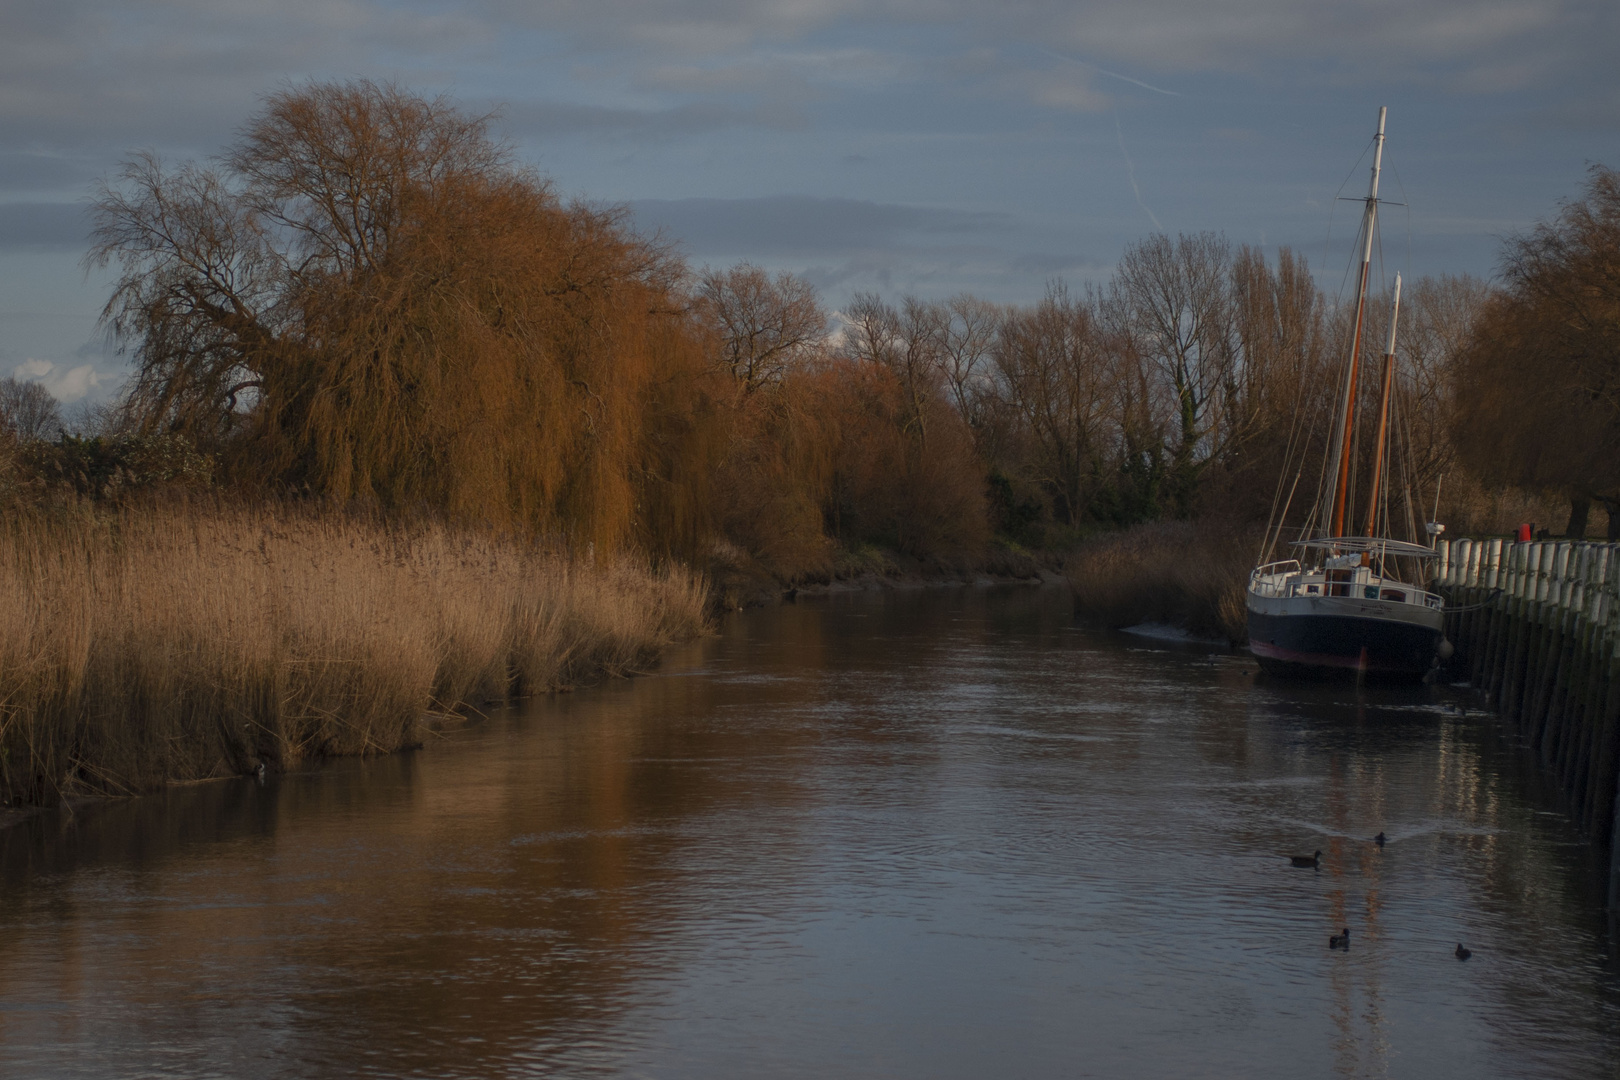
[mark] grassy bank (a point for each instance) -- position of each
(144, 646)
(1186, 574)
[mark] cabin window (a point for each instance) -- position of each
(1371, 592)
(1395, 595)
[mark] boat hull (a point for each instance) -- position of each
(1316, 637)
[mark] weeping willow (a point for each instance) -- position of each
(367, 299)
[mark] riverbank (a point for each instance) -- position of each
(738, 582)
(141, 647)
(1189, 575)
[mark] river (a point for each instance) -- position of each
(937, 833)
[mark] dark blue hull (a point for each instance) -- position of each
(1338, 645)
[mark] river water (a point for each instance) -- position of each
(942, 833)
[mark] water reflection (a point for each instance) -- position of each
(930, 834)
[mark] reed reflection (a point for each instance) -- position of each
(934, 834)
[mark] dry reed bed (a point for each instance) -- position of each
(1186, 574)
(145, 646)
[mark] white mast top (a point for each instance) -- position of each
(1372, 186)
(1394, 313)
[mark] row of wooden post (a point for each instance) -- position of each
(1536, 627)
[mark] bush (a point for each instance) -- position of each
(1187, 574)
(102, 466)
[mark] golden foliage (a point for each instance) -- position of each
(1538, 399)
(922, 496)
(370, 302)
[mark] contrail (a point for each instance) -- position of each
(1130, 168)
(1112, 74)
(1136, 82)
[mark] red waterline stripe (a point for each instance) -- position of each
(1272, 652)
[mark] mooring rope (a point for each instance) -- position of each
(1495, 594)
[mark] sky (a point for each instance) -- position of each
(924, 147)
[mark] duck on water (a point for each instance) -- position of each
(1346, 603)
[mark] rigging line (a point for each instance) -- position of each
(1496, 594)
(1294, 427)
(1402, 430)
(1401, 444)
(1266, 555)
(1327, 242)
(1289, 448)
(1319, 508)
(1410, 467)
(1389, 469)
(1406, 204)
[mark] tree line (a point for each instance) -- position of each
(367, 300)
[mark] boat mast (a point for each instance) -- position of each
(1383, 412)
(1369, 221)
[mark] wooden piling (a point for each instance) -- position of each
(1537, 627)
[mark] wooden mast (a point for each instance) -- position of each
(1383, 412)
(1369, 221)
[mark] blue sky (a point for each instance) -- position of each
(921, 146)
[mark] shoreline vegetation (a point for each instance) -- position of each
(406, 431)
(142, 646)
(1189, 575)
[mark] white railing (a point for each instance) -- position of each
(1294, 583)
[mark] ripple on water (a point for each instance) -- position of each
(898, 835)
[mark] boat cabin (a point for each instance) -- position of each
(1288, 578)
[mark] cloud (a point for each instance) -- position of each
(799, 225)
(1428, 41)
(564, 118)
(68, 385)
(23, 170)
(43, 224)
(940, 103)
(187, 71)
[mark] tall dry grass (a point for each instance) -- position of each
(1187, 574)
(141, 646)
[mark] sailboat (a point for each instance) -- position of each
(1343, 605)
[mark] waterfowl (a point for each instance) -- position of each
(1340, 941)
(1379, 839)
(1312, 861)
(1462, 953)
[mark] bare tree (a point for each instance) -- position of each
(766, 325)
(1170, 300)
(28, 411)
(1437, 322)
(202, 296)
(910, 341)
(1277, 323)
(966, 349)
(1060, 381)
